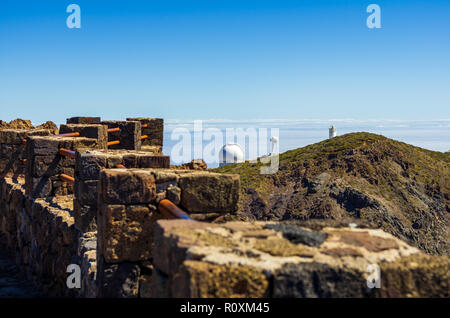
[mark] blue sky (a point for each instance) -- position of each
(225, 59)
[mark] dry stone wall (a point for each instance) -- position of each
(129, 134)
(153, 128)
(128, 211)
(98, 132)
(45, 164)
(88, 165)
(40, 234)
(109, 224)
(264, 259)
(12, 149)
(42, 224)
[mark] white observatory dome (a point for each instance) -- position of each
(231, 153)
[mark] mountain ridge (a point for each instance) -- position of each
(358, 177)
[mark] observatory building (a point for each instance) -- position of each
(274, 142)
(231, 153)
(332, 132)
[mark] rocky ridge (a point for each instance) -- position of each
(359, 177)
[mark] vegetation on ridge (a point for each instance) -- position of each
(359, 176)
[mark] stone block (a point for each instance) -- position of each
(209, 192)
(145, 160)
(418, 275)
(83, 120)
(154, 130)
(313, 280)
(170, 249)
(129, 134)
(202, 280)
(39, 187)
(88, 165)
(126, 232)
(117, 280)
(148, 161)
(86, 192)
(16, 136)
(46, 146)
(98, 132)
(120, 186)
(47, 166)
(85, 217)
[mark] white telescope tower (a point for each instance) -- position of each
(274, 142)
(332, 132)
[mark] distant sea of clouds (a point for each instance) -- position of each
(432, 135)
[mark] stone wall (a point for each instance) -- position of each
(264, 259)
(45, 164)
(98, 132)
(84, 120)
(128, 211)
(40, 234)
(12, 149)
(129, 134)
(154, 129)
(111, 227)
(87, 171)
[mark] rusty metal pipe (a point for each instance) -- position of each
(67, 153)
(67, 178)
(171, 211)
(72, 134)
(110, 130)
(144, 137)
(112, 143)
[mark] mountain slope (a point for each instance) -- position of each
(358, 177)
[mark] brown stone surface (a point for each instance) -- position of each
(40, 233)
(85, 217)
(209, 192)
(196, 259)
(98, 132)
(16, 136)
(199, 279)
(44, 164)
(418, 275)
(171, 250)
(126, 232)
(154, 130)
(122, 186)
(129, 134)
(373, 244)
(83, 120)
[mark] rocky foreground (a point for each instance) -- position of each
(359, 177)
(268, 259)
